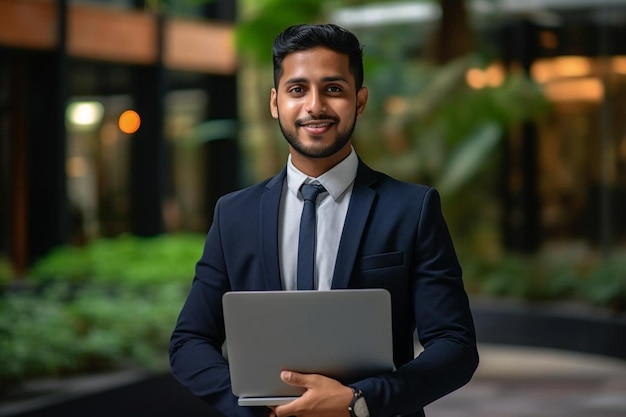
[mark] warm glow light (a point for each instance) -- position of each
(493, 76)
(619, 64)
(84, 113)
(541, 71)
(129, 121)
(572, 66)
(475, 78)
(545, 70)
(581, 89)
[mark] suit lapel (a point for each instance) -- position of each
(356, 219)
(270, 202)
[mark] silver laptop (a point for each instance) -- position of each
(343, 334)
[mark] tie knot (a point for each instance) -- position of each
(310, 191)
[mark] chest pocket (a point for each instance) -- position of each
(382, 260)
(384, 270)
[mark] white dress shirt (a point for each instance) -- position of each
(332, 207)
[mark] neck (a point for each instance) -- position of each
(314, 167)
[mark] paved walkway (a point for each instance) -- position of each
(510, 382)
(530, 382)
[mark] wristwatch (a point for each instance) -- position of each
(358, 406)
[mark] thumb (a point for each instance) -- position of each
(294, 378)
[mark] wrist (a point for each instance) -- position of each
(358, 405)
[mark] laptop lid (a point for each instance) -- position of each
(343, 334)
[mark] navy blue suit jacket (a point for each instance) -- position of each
(394, 237)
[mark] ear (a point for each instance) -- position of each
(361, 100)
(274, 103)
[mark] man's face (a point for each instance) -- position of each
(316, 104)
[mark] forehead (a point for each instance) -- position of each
(315, 64)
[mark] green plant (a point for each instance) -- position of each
(37, 337)
(128, 327)
(110, 304)
(605, 284)
(126, 259)
(512, 276)
(600, 282)
(6, 272)
(61, 330)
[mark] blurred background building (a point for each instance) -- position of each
(123, 121)
(75, 165)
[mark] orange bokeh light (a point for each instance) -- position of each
(129, 121)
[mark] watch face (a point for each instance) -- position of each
(360, 408)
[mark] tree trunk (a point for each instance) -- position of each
(454, 36)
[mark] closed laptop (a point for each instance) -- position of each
(343, 334)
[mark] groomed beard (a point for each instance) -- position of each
(340, 141)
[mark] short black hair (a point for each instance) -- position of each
(304, 37)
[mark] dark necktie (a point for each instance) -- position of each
(306, 240)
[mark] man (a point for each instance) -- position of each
(373, 232)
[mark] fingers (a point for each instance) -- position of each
(296, 379)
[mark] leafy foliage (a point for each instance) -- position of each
(599, 282)
(6, 272)
(110, 304)
(605, 284)
(265, 19)
(37, 337)
(114, 302)
(127, 259)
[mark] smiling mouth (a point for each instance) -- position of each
(317, 125)
(317, 128)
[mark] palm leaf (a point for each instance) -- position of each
(468, 158)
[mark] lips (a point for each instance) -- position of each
(316, 127)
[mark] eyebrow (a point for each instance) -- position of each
(302, 80)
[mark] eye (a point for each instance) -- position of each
(296, 90)
(334, 89)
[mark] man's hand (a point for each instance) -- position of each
(324, 397)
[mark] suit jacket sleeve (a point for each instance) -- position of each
(444, 324)
(196, 359)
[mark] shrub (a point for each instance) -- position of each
(600, 282)
(6, 272)
(127, 259)
(110, 304)
(605, 284)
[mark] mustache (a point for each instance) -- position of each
(300, 122)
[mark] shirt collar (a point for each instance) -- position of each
(336, 180)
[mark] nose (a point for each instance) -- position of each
(315, 104)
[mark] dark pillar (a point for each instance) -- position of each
(530, 230)
(522, 222)
(606, 144)
(222, 153)
(18, 174)
(13, 160)
(147, 162)
(225, 10)
(48, 218)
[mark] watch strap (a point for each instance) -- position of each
(355, 397)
